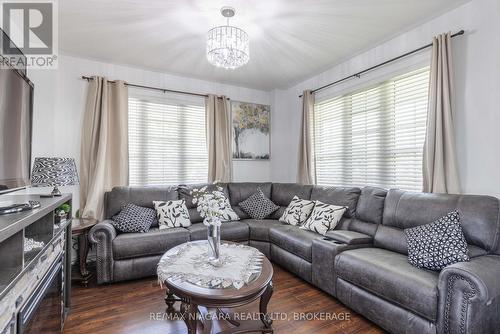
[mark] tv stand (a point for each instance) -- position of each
(35, 267)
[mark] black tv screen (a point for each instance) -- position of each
(16, 93)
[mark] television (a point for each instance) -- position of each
(16, 115)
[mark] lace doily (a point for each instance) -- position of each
(189, 263)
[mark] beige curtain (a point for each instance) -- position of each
(305, 171)
(218, 122)
(440, 173)
(104, 145)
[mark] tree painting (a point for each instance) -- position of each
(250, 130)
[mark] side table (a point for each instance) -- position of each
(80, 228)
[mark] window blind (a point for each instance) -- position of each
(374, 136)
(167, 142)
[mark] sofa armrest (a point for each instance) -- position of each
(324, 251)
(349, 237)
(102, 235)
(470, 296)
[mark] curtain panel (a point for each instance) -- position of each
(305, 169)
(440, 172)
(104, 144)
(218, 123)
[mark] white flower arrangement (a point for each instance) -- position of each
(211, 204)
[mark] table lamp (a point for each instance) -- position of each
(54, 172)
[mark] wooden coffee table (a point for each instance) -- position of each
(193, 296)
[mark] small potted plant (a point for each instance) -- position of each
(62, 213)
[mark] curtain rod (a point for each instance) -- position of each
(357, 75)
(164, 90)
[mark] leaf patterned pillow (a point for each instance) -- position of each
(172, 214)
(228, 212)
(324, 217)
(297, 211)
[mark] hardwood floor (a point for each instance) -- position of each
(137, 307)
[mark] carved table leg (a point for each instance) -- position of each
(190, 314)
(83, 249)
(264, 300)
(170, 300)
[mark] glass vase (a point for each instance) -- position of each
(213, 238)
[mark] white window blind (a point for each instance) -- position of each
(167, 142)
(374, 136)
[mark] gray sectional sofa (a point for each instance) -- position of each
(363, 262)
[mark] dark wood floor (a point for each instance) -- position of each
(137, 307)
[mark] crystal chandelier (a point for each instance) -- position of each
(227, 46)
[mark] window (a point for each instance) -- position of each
(167, 143)
(374, 136)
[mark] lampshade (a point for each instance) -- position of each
(54, 172)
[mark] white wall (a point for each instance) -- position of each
(477, 92)
(60, 96)
(59, 103)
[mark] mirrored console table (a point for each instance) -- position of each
(35, 267)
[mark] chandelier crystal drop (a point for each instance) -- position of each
(228, 46)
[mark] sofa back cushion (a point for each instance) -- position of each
(341, 196)
(185, 193)
(283, 193)
(370, 206)
(240, 191)
(479, 217)
(118, 197)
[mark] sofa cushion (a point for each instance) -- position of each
(294, 240)
(479, 215)
(389, 275)
(438, 244)
(356, 225)
(337, 196)
(283, 193)
(258, 206)
(349, 237)
(118, 197)
(259, 229)
(370, 206)
(154, 242)
(231, 231)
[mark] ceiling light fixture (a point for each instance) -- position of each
(227, 46)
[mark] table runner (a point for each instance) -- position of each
(189, 262)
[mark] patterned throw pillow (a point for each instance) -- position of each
(324, 217)
(133, 218)
(228, 212)
(297, 211)
(258, 206)
(172, 214)
(438, 244)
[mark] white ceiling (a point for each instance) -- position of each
(290, 40)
